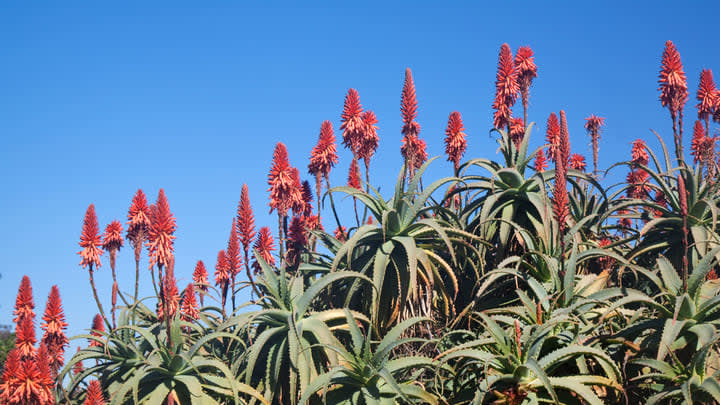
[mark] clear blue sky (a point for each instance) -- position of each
(97, 101)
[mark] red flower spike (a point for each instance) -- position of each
(639, 153)
(10, 380)
(354, 175)
(264, 246)
(27, 381)
(639, 186)
(222, 269)
(408, 106)
(297, 239)
(540, 161)
(324, 155)
(697, 141)
(25, 338)
(413, 150)
(98, 328)
(113, 240)
(94, 395)
(90, 240)
(172, 295)
(312, 222)
(189, 310)
(297, 203)
(138, 222)
(592, 125)
(672, 79)
(352, 123)
(200, 277)
(283, 182)
(245, 220)
(341, 234)
(525, 67)
(369, 140)
(564, 140)
(552, 135)
(162, 227)
(517, 131)
(707, 95)
(54, 326)
(233, 251)
(577, 162)
(560, 199)
(24, 303)
(307, 198)
(506, 88)
(455, 142)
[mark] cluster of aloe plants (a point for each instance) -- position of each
(504, 283)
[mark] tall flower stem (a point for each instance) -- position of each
(281, 240)
(97, 299)
(332, 202)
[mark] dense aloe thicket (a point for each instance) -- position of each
(507, 282)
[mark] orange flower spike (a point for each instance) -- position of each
(455, 141)
(341, 234)
(560, 199)
(525, 67)
(10, 379)
(369, 140)
(98, 328)
(54, 326)
(138, 222)
(233, 251)
(592, 125)
(113, 240)
(517, 131)
(200, 276)
(540, 162)
(577, 162)
(707, 95)
(25, 337)
(172, 295)
(352, 123)
(264, 246)
(162, 227)
(94, 395)
(672, 80)
(506, 88)
(408, 106)
(283, 181)
(245, 220)
(698, 140)
(222, 269)
(552, 135)
(24, 303)
(297, 239)
(323, 156)
(189, 310)
(307, 198)
(639, 153)
(90, 240)
(354, 175)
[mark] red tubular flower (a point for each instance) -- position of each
(639, 153)
(298, 203)
(605, 262)
(506, 88)
(517, 131)
(455, 142)
(540, 161)
(200, 278)
(171, 293)
(189, 310)
(354, 175)
(592, 125)
(24, 303)
(138, 222)
(413, 149)
(341, 234)
(98, 328)
(233, 251)
(408, 106)
(283, 183)
(697, 141)
(297, 239)
(638, 180)
(10, 379)
(90, 240)
(673, 83)
(162, 227)
(312, 222)
(26, 381)
(369, 140)
(577, 162)
(264, 246)
(526, 71)
(222, 270)
(307, 199)
(707, 95)
(94, 395)
(552, 135)
(25, 338)
(323, 156)
(352, 123)
(245, 220)
(113, 240)
(54, 326)
(560, 199)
